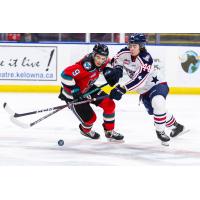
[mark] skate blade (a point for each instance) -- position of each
(165, 144)
(111, 140)
(185, 130)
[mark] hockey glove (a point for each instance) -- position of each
(76, 93)
(117, 92)
(112, 76)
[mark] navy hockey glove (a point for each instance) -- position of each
(112, 76)
(117, 92)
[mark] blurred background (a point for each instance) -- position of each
(153, 38)
(32, 62)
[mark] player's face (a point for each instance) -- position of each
(99, 60)
(134, 49)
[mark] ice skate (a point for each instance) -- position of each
(91, 134)
(178, 130)
(113, 136)
(163, 137)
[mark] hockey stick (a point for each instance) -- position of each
(14, 114)
(24, 125)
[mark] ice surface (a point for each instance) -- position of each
(38, 144)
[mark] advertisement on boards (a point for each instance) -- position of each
(28, 63)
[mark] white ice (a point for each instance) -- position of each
(38, 144)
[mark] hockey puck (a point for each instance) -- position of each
(60, 142)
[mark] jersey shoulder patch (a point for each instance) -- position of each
(146, 58)
(87, 62)
(87, 65)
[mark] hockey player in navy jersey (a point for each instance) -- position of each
(79, 79)
(149, 82)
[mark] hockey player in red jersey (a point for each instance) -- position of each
(149, 82)
(79, 79)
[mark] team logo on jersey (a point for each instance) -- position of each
(87, 65)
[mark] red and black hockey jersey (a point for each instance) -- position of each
(82, 75)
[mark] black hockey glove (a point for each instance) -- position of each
(76, 93)
(112, 76)
(117, 92)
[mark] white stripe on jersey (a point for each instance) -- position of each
(109, 119)
(68, 82)
(67, 95)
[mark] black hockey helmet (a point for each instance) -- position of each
(138, 38)
(101, 49)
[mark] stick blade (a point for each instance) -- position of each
(19, 123)
(8, 109)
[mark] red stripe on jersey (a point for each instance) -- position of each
(68, 90)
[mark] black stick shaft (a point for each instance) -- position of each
(57, 107)
(39, 111)
(76, 103)
(46, 116)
